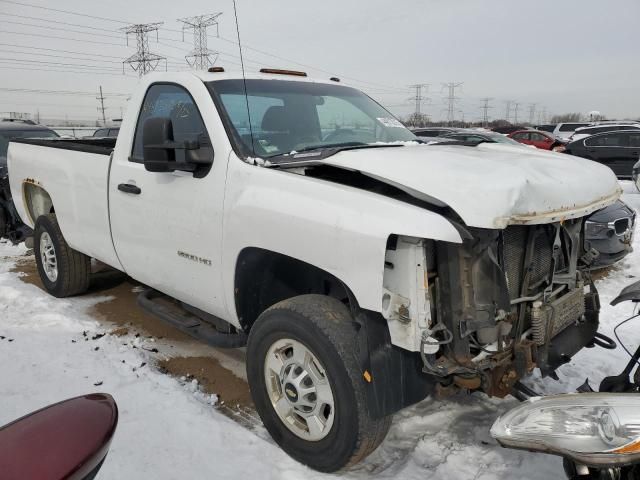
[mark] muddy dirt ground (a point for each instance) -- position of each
(217, 372)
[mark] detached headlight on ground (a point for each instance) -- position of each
(593, 429)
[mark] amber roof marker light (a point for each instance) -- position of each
(277, 71)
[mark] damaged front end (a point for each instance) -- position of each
(497, 306)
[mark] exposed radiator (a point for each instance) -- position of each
(514, 246)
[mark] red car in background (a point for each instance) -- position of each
(539, 139)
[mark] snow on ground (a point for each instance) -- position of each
(169, 430)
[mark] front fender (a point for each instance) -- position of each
(337, 228)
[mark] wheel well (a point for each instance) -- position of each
(263, 278)
(37, 201)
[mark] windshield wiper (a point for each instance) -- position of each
(315, 153)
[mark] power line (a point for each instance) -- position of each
(418, 117)
(485, 111)
(40, 19)
(48, 55)
(143, 61)
(507, 115)
(44, 62)
(451, 99)
(63, 29)
(63, 11)
(58, 50)
(82, 40)
(92, 72)
(57, 92)
(200, 55)
(262, 52)
(101, 107)
(532, 112)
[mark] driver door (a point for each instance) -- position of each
(166, 226)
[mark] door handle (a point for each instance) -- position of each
(129, 188)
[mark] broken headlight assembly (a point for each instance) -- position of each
(592, 429)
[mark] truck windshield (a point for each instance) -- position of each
(289, 116)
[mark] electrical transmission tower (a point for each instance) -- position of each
(418, 117)
(143, 61)
(200, 57)
(507, 113)
(451, 99)
(516, 105)
(485, 111)
(532, 112)
(102, 108)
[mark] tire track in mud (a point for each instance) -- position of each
(173, 352)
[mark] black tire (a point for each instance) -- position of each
(325, 327)
(74, 268)
(3, 222)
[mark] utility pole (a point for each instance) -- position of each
(200, 57)
(143, 61)
(451, 99)
(485, 111)
(516, 105)
(507, 114)
(418, 116)
(101, 107)
(532, 112)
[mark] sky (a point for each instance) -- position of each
(563, 56)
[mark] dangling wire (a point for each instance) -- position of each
(244, 79)
(636, 313)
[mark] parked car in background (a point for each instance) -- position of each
(434, 131)
(610, 232)
(475, 136)
(584, 132)
(110, 132)
(565, 130)
(539, 139)
(508, 129)
(635, 175)
(618, 150)
(10, 224)
(547, 127)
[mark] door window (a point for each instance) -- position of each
(611, 140)
(538, 137)
(634, 139)
(175, 103)
(521, 136)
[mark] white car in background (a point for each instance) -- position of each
(584, 132)
(565, 130)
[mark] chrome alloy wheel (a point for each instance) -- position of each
(48, 257)
(299, 389)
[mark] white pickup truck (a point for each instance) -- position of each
(360, 267)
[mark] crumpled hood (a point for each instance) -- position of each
(490, 185)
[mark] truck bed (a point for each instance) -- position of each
(74, 174)
(100, 146)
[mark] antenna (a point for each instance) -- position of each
(244, 78)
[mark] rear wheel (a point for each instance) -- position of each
(307, 385)
(64, 271)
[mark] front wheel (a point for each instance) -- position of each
(307, 386)
(64, 271)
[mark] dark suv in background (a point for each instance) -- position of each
(10, 224)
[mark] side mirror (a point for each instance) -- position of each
(159, 149)
(157, 135)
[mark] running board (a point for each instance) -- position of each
(185, 319)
